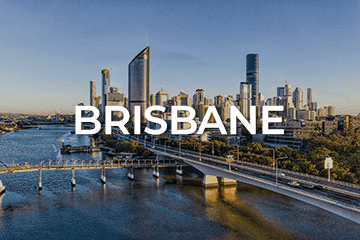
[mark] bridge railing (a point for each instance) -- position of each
(283, 170)
(295, 190)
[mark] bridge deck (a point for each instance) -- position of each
(92, 164)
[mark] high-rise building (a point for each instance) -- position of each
(105, 90)
(198, 99)
(313, 106)
(152, 100)
(92, 93)
(245, 99)
(331, 110)
(309, 96)
(139, 82)
(208, 101)
(252, 76)
(115, 98)
(298, 98)
(281, 92)
(184, 98)
(161, 98)
(225, 110)
(218, 100)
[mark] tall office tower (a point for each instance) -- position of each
(252, 76)
(152, 100)
(218, 100)
(313, 106)
(326, 110)
(237, 101)
(261, 99)
(331, 110)
(225, 110)
(198, 99)
(92, 93)
(115, 98)
(298, 98)
(139, 82)
(105, 89)
(208, 101)
(184, 98)
(161, 98)
(281, 92)
(309, 96)
(245, 99)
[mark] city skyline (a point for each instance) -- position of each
(49, 59)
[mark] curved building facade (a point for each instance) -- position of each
(139, 82)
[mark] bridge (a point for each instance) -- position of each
(337, 197)
(129, 163)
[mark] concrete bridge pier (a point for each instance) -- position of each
(179, 170)
(103, 178)
(227, 182)
(210, 181)
(73, 178)
(156, 172)
(40, 183)
(131, 173)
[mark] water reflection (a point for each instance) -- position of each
(229, 193)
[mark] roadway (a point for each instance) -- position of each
(348, 194)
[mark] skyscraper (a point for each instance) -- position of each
(298, 98)
(105, 89)
(245, 99)
(161, 98)
(252, 76)
(309, 96)
(184, 98)
(92, 93)
(139, 82)
(281, 92)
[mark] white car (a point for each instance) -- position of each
(282, 174)
(294, 184)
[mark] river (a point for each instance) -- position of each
(171, 207)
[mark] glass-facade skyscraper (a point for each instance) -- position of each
(105, 73)
(252, 76)
(139, 82)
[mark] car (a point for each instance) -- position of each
(293, 184)
(308, 186)
(319, 187)
(282, 174)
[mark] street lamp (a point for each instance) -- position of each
(273, 156)
(277, 168)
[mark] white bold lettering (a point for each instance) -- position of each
(79, 120)
(266, 120)
(151, 118)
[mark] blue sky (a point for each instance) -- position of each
(50, 50)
